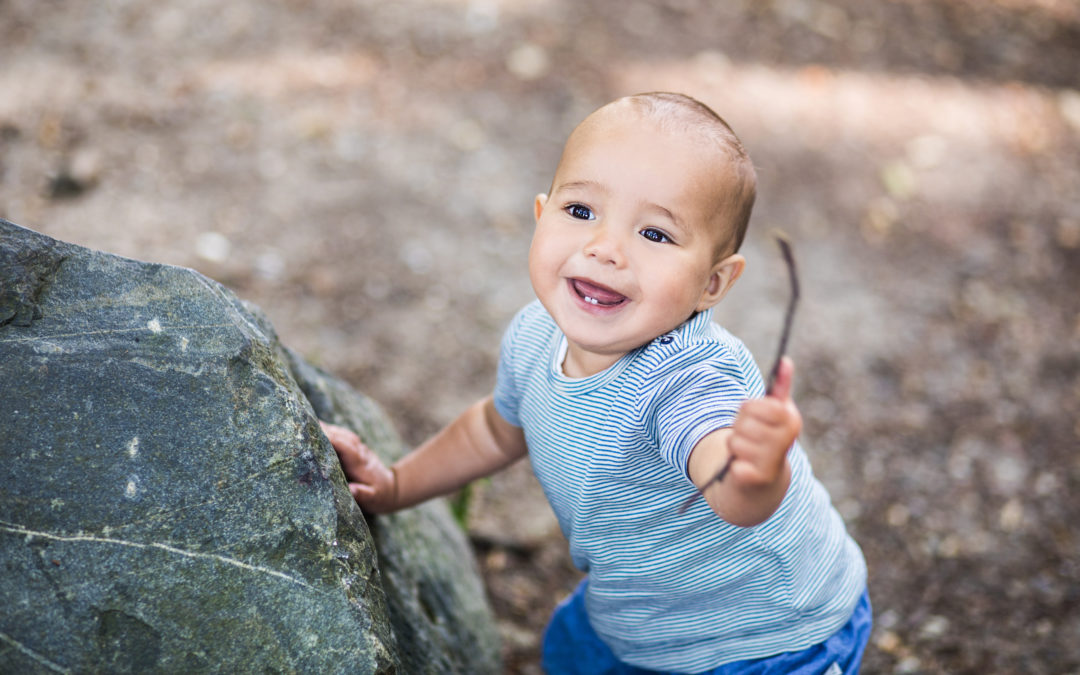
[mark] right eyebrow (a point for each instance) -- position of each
(578, 185)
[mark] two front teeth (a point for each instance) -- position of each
(595, 294)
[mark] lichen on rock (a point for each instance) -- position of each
(168, 502)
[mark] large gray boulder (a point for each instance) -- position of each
(168, 502)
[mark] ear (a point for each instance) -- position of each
(538, 205)
(723, 276)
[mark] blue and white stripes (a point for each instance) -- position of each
(668, 591)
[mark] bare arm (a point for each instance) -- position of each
(477, 444)
(764, 431)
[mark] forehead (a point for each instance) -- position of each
(622, 151)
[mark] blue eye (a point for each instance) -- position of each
(580, 212)
(653, 234)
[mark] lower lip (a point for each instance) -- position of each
(597, 309)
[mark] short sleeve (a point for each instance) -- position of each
(691, 403)
(507, 397)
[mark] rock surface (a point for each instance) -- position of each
(168, 502)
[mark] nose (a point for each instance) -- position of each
(604, 246)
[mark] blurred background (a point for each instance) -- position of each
(364, 172)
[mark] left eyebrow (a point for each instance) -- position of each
(652, 206)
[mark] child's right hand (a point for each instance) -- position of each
(372, 484)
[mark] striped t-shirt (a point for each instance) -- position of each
(667, 591)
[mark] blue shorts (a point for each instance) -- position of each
(572, 647)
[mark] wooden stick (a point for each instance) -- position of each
(789, 317)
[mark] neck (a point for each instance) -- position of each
(581, 363)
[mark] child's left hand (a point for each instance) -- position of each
(758, 477)
(764, 431)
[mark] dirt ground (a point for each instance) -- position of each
(364, 172)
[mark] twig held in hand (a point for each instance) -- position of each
(789, 316)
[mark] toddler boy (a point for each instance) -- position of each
(626, 397)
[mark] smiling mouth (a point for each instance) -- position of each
(595, 294)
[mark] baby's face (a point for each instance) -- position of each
(625, 245)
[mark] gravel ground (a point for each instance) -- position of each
(364, 172)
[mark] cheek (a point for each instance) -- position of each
(540, 268)
(679, 288)
(544, 253)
